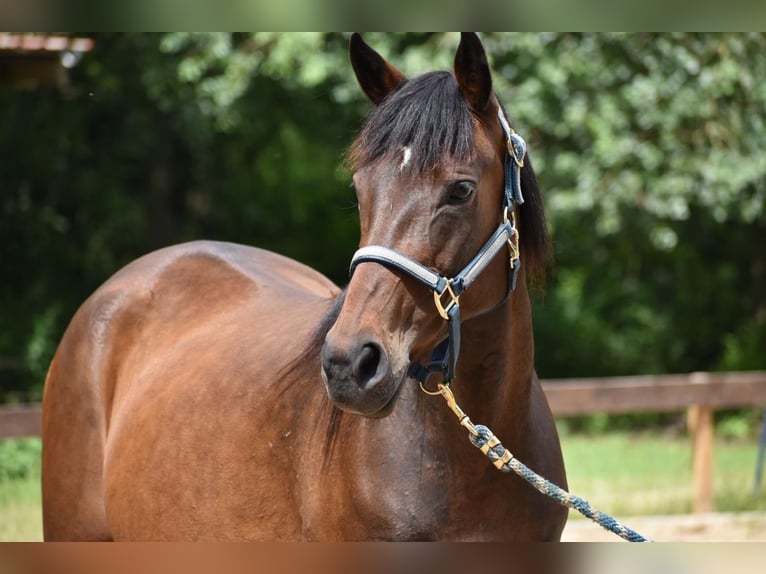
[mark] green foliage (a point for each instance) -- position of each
(734, 427)
(20, 459)
(739, 424)
(647, 148)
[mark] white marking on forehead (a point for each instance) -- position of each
(406, 156)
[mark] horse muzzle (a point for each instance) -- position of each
(358, 376)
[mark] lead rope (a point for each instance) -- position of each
(483, 439)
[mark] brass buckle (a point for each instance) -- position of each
(453, 302)
(512, 151)
(513, 240)
(513, 247)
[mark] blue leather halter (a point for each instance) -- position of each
(445, 355)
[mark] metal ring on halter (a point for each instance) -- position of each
(431, 393)
(454, 300)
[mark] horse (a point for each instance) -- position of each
(214, 391)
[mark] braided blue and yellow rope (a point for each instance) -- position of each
(502, 458)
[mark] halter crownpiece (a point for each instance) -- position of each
(447, 291)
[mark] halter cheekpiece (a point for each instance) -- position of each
(447, 291)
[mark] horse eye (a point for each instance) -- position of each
(460, 191)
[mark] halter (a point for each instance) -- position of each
(447, 291)
(447, 300)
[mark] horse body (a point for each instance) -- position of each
(177, 351)
(186, 399)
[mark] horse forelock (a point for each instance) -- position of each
(426, 115)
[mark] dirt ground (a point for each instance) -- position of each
(719, 527)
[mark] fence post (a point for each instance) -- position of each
(700, 423)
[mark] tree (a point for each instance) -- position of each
(647, 148)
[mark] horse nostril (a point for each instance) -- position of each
(356, 374)
(367, 364)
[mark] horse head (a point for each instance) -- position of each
(428, 168)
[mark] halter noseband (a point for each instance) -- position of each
(447, 291)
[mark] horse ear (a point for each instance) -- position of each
(376, 77)
(472, 72)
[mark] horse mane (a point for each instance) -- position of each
(429, 114)
(306, 367)
(534, 240)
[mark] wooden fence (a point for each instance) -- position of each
(700, 394)
(20, 420)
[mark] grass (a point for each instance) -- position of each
(631, 475)
(20, 505)
(618, 473)
(20, 510)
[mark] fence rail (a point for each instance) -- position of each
(700, 394)
(653, 393)
(21, 420)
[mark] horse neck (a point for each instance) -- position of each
(496, 365)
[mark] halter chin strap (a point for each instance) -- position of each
(447, 291)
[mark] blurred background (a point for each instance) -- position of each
(649, 149)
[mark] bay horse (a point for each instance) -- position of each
(213, 391)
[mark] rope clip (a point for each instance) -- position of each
(447, 394)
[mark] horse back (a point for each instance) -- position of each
(202, 326)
